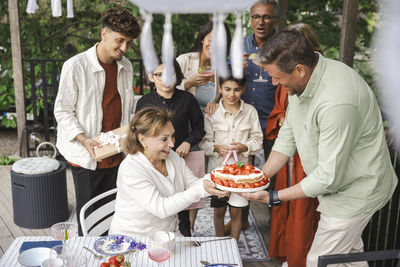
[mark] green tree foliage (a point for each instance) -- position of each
(46, 37)
(324, 17)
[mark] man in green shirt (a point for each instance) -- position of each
(334, 122)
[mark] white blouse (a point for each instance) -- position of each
(147, 200)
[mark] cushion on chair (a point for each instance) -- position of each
(35, 165)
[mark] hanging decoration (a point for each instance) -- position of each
(168, 75)
(56, 8)
(32, 7)
(219, 9)
(237, 49)
(70, 9)
(387, 60)
(149, 56)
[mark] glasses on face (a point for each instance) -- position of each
(265, 18)
(157, 75)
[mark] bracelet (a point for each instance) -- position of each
(274, 199)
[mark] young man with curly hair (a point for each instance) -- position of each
(95, 95)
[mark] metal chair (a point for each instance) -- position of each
(98, 222)
(324, 260)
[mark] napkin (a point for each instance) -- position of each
(35, 244)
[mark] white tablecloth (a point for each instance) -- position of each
(224, 251)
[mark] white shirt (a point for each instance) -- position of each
(147, 200)
(78, 106)
(224, 128)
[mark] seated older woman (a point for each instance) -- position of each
(153, 182)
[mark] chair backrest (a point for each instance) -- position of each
(97, 222)
(324, 260)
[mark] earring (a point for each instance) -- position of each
(146, 153)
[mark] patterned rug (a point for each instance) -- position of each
(251, 244)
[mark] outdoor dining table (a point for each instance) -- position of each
(223, 251)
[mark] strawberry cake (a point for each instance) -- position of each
(239, 175)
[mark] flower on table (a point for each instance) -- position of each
(119, 239)
(136, 246)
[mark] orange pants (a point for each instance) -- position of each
(293, 224)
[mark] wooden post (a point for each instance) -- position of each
(348, 31)
(13, 12)
(282, 13)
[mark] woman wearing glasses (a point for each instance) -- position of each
(199, 79)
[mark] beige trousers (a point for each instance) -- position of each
(338, 236)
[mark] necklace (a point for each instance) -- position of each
(161, 166)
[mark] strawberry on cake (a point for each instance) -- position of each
(239, 175)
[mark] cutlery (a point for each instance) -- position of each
(194, 243)
(207, 263)
(94, 253)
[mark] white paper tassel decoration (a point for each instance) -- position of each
(222, 68)
(56, 8)
(387, 59)
(146, 44)
(168, 75)
(218, 60)
(70, 9)
(237, 49)
(213, 58)
(32, 7)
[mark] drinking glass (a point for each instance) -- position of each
(52, 262)
(160, 247)
(64, 230)
(260, 78)
(75, 261)
(59, 251)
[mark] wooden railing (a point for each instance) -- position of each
(383, 231)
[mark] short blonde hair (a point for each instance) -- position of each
(148, 121)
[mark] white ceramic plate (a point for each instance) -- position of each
(34, 256)
(238, 190)
(113, 244)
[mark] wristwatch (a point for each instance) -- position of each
(274, 199)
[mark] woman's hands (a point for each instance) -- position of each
(198, 79)
(212, 190)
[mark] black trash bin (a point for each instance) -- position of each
(40, 200)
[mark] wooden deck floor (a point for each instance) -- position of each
(9, 230)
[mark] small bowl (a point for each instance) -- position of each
(34, 257)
